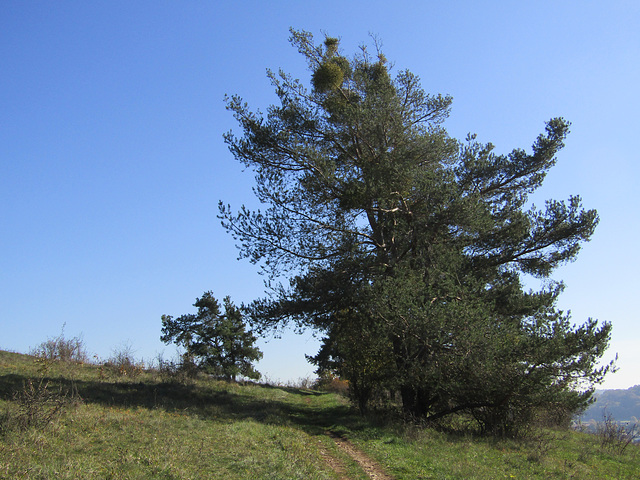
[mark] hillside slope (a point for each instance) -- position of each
(623, 405)
(148, 425)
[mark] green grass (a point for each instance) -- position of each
(558, 455)
(145, 427)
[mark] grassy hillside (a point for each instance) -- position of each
(81, 421)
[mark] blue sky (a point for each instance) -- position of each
(112, 160)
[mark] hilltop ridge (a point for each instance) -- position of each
(622, 404)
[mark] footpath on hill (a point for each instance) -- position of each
(315, 419)
(372, 468)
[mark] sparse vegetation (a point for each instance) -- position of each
(123, 362)
(62, 348)
(182, 371)
(614, 436)
(35, 406)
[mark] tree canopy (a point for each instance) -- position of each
(407, 249)
(217, 342)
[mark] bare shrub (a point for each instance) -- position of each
(62, 349)
(305, 383)
(123, 362)
(615, 437)
(540, 442)
(183, 371)
(37, 405)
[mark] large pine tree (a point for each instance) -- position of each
(407, 249)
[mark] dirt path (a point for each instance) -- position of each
(372, 468)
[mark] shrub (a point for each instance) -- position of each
(183, 371)
(63, 349)
(328, 382)
(36, 406)
(123, 362)
(615, 437)
(305, 383)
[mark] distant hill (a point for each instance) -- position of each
(623, 405)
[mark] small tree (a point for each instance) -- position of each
(218, 343)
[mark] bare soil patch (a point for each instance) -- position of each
(335, 464)
(372, 468)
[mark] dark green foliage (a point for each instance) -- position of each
(217, 343)
(328, 76)
(369, 354)
(408, 250)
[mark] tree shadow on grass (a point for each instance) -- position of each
(294, 390)
(219, 401)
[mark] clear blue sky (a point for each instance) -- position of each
(112, 160)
